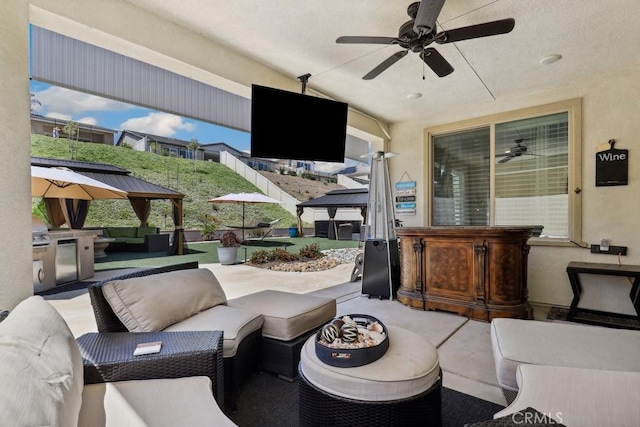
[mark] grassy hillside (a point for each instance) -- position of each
(198, 180)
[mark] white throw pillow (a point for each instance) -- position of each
(151, 303)
(41, 374)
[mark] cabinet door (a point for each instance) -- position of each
(506, 282)
(449, 267)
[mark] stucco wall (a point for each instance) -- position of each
(15, 201)
(609, 111)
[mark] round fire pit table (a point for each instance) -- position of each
(401, 388)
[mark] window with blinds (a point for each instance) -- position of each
(461, 173)
(531, 178)
(506, 172)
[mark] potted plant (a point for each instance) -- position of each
(228, 249)
(293, 229)
(209, 227)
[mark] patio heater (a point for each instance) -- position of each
(381, 264)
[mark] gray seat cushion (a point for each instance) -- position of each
(236, 324)
(287, 315)
(159, 402)
(578, 396)
(516, 342)
(151, 303)
(40, 367)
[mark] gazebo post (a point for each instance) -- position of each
(332, 210)
(178, 234)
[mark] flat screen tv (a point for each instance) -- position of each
(289, 125)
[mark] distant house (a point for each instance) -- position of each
(179, 148)
(41, 125)
(359, 173)
(140, 141)
(296, 165)
(212, 151)
(262, 164)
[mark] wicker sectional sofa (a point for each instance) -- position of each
(136, 239)
(181, 298)
(43, 379)
(264, 330)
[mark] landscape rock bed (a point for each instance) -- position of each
(332, 258)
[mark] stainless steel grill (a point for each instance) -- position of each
(39, 232)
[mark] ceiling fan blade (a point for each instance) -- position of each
(436, 62)
(366, 40)
(492, 28)
(385, 64)
(428, 12)
(505, 160)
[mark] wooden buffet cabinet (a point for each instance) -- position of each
(477, 272)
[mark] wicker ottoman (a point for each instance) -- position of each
(289, 319)
(402, 388)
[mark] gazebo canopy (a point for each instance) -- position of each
(344, 198)
(140, 192)
(113, 176)
(336, 199)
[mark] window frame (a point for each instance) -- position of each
(573, 108)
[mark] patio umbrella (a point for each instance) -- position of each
(63, 183)
(244, 198)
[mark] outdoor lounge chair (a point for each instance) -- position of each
(268, 226)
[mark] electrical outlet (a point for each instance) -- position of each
(611, 250)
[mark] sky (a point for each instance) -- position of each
(65, 104)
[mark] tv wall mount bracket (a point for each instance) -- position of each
(304, 79)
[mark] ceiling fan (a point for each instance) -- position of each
(516, 151)
(420, 32)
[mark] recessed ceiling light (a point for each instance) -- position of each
(550, 59)
(415, 95)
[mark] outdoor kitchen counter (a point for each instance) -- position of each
(47, 254)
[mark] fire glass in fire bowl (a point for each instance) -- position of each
(352, 340)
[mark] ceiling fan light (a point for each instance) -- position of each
(550, 59)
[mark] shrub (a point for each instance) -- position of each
(260, 257)
(311, 251)
(229, 240)
(283, 255)
(209, 227)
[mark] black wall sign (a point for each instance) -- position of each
(612, 167)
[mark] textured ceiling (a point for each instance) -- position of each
(298, 37)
